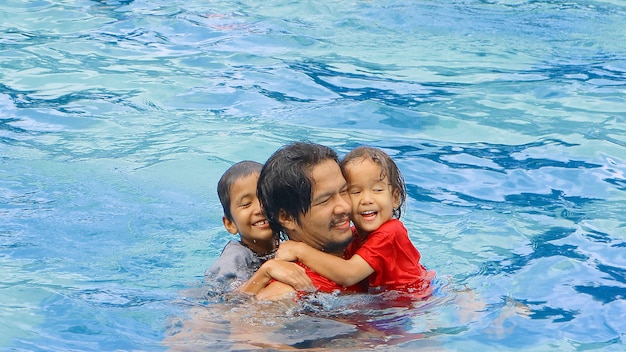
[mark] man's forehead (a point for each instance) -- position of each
(325, 175)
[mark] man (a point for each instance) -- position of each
(305, 198)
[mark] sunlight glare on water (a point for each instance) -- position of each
(117, 118)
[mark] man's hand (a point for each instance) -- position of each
(286, 272)
(291, 274)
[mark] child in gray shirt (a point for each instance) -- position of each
(242, 215)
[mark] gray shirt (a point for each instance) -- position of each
(235, 265)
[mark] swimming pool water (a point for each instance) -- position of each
(507, 118)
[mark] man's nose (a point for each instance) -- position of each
(343, 205)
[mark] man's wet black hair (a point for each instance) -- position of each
(285, 182)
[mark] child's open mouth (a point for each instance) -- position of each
(369, 215)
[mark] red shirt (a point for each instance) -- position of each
(395, 260)
(326, 285)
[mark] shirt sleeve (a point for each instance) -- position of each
(392, 255)
(235, 263)
(377, 249)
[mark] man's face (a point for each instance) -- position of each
(326, 226)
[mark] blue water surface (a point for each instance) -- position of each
(507, 118)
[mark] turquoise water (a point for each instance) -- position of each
(508, 119)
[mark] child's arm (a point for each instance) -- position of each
(288, 273)
(345, 272)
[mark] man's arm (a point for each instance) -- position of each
(290, 274)
(344, 272)
(276, 291)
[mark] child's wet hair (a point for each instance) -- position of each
(388, 168)
(235, 172)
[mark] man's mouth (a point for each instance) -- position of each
(340, 223)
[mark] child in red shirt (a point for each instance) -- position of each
(382, 251)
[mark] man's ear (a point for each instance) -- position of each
(230, 225)
(286, 220)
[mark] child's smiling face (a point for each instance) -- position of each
(372, 196)
(248, 219)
